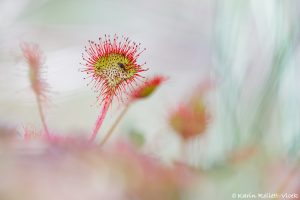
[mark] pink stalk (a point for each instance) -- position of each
(42, 116)
(33, 56)
(100, 120)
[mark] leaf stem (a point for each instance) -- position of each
(42, 116)
(100, 120)
(112, 128)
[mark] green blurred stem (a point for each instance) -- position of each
(282, 53)
(113, 127)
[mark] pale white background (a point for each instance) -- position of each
(183, 38)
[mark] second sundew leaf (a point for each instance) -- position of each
(147, 89)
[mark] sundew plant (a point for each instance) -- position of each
(149, 100)
(112, 65)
